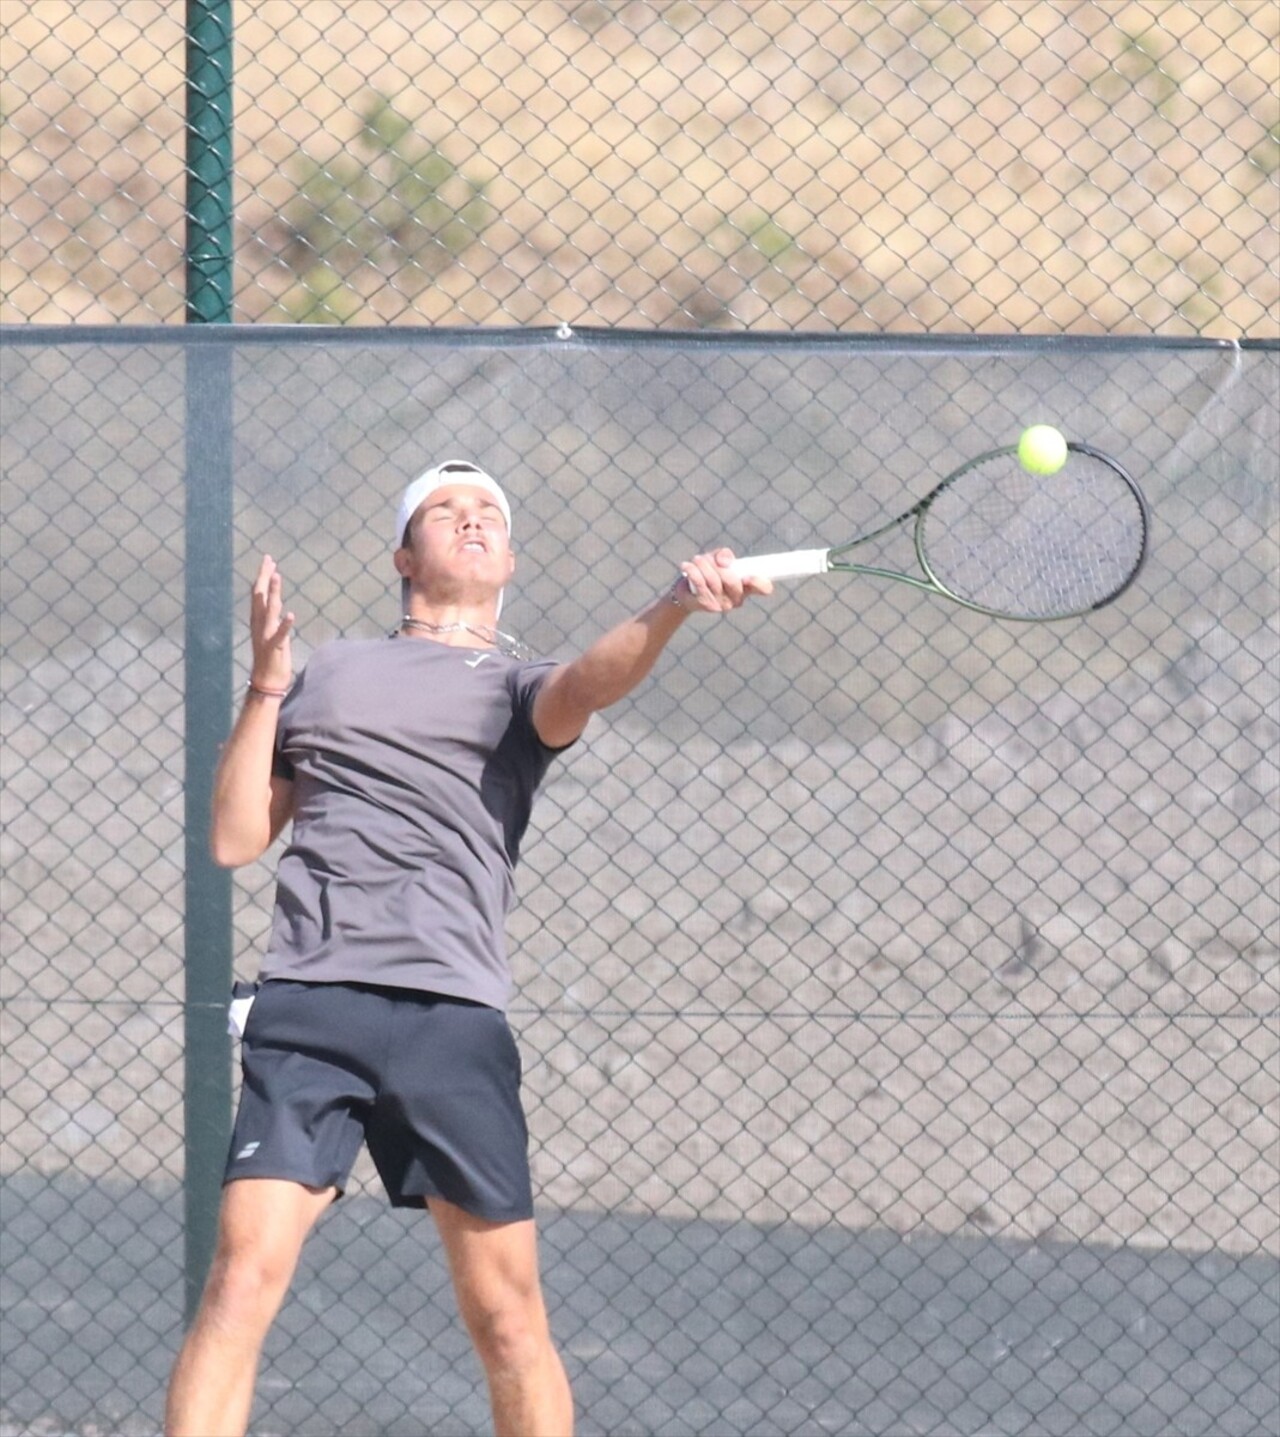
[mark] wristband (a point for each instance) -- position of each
(262, 693)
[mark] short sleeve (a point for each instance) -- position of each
(525, 682)
(281, 764)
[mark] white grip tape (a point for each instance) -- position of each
(795, 564)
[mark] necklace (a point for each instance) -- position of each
(495, 638)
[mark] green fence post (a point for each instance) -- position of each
(208, 625)
(210, 125)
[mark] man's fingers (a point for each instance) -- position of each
(268, 592)
(266, 569)
(270, 627)
(703, 587)
(713, 582)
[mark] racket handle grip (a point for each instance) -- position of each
(795, 564)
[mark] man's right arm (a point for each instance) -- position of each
(622, 658)
(250, 803)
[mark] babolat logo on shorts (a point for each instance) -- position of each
(246, 1152)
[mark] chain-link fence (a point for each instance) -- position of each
(898, 989)
(1038, 166)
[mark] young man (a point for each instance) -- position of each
(408, 767)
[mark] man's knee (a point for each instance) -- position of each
(246, 1286)
(510, 1331)
(249, 1276)
(262, 1227)
(495, 1275)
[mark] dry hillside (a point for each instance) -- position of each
(899, 165)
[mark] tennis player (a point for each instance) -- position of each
(408, 766)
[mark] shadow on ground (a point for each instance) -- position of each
(668, 1329)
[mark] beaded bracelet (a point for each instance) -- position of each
(673, 594)
(266, 693)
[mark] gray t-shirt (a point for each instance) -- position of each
(414, 767)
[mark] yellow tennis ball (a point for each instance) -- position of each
(1042, 449)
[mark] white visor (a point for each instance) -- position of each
(452, 471)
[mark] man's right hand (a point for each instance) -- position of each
(270, 629)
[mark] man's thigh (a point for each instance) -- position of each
(262, 1225)
(494, 1265)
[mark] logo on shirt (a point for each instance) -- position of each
(476, 661)
(246, 1152)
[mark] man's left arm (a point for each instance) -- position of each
(622, 658)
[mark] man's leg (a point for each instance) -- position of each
(261, 1228)
(495, 1274)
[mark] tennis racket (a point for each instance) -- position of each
(1003, 542)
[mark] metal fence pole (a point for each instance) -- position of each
(208, 625)
(210, 124)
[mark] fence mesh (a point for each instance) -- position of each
(897, 988)
(881, 165)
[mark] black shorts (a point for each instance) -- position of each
(430, 1083)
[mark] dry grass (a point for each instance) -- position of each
(897, 165)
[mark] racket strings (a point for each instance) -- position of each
(1033, 546)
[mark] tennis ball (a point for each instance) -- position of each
(1042, 449)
